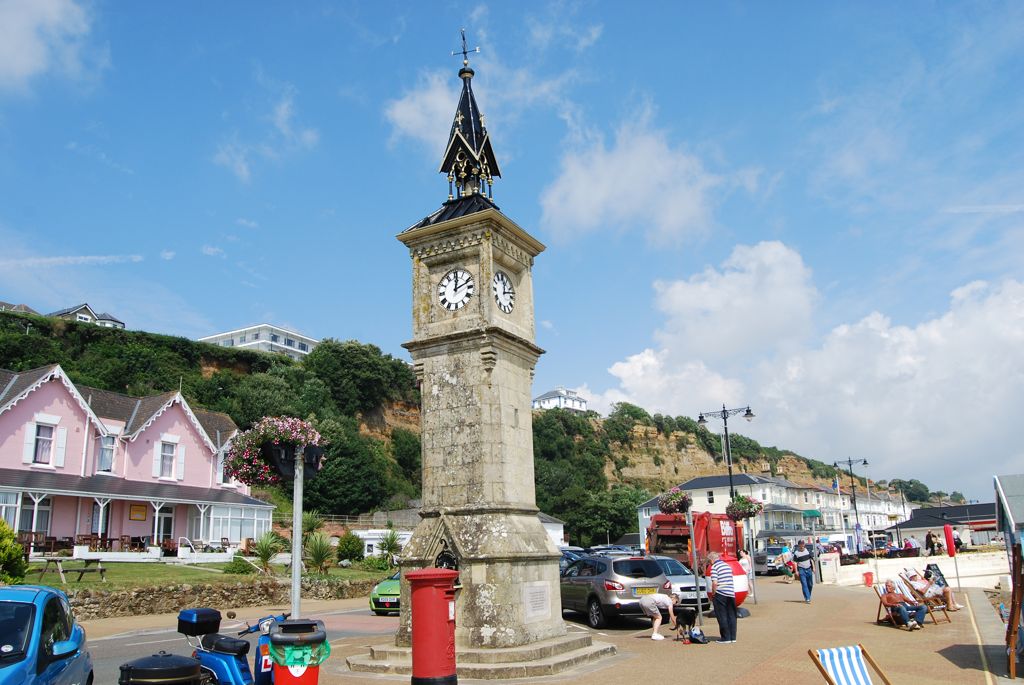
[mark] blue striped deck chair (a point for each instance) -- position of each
(846, 665)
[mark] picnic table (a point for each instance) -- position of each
(56, 565)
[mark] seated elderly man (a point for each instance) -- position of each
(929, 588)
(901, 604)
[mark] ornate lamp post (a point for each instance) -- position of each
(853, 486)
(724, 414)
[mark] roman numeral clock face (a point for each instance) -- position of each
(455, 289)
(504, 293)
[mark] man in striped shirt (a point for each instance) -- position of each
(723, 598)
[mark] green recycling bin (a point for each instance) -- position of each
(297, 648)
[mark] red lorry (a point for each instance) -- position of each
(669, 535)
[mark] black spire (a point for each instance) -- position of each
(468, 159)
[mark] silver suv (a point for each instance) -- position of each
(605, 587)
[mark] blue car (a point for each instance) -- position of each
(40, 643)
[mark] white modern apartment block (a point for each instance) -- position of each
(265, 337)
(560, 398)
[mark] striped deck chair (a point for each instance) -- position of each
(846, 665)
(885, 614)
(932, 604)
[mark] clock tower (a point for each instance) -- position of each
(474, 353)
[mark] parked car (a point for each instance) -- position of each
(567, 558)
(607, 587)
(384, 596)
(684, 582)
(40, 641)
(764, 562)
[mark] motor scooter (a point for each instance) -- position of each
(221, 657)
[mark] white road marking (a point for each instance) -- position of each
(150, 642)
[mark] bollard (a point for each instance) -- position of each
(433, 626)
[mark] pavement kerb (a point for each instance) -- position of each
(993, 634)
(101, 628)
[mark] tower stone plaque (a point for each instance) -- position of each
(474, 354)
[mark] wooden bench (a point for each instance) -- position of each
(57, 564)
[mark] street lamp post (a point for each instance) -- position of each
(853, 486)
(724, 415)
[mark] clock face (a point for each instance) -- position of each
(455, 289)
(504, 292)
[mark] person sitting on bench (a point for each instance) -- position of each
(902, 606)
(929, 588)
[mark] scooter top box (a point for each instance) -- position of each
(196, 622)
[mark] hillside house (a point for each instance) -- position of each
(78, 461)
(560, 398)
(86, 314)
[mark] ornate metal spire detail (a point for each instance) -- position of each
(468, 159)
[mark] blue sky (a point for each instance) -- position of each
(815, 210)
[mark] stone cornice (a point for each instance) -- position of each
(425, 240)
(477, 336)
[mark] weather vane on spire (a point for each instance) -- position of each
(464, 51)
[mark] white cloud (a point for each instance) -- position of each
(424, 113)
(283, 117)
(762, 298)
(984, 209)
(282, 137)
(211, 251)
(77, 260)
(43, 36)
(89, 150)
(638, 182)
(248, 223)
(234, 156)
(918, 401)
(167, 255)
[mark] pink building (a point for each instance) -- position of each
(76, 460)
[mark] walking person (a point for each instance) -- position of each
(802, 559)
(723, 598)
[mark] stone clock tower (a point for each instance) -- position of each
(474, 353)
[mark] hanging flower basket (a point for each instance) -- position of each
(265, 454)
(675, 501)
(743, 507)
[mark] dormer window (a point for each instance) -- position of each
(44, 445)
(167, 459)
(106, 460)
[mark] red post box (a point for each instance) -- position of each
(433, 626)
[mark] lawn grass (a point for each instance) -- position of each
(128, 575)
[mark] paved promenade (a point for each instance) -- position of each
(772, 646)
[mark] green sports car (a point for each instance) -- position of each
(384, 596)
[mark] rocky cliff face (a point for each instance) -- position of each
(651, 460)
(657, 462)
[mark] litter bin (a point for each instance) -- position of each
(297, 648)
(869, 578)
(163, 668)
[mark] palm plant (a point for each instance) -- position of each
(390, 545)
(319, 552)
(312, 522)
(265, 549)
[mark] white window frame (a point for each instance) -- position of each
(48, 440)
(167, 459)
(10, 502)
(83, 317)
(711, 496)
(103, 448)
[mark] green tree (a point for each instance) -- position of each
(605, 516)
(406, 449)
(359, 377)
(350, 546)
(12, 556)
(357, 474)
(619, 424)
(265, 549)
(262, 395)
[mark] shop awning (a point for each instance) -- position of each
(812, 514)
